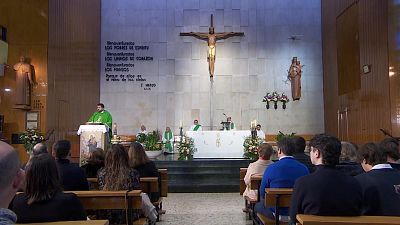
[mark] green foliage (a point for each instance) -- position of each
(250, 145)
(282, 135)
(151, 141)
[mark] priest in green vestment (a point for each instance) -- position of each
(196, 126)
(168, 140)
(101, 116)
(231, 124)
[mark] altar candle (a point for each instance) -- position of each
(180, 123)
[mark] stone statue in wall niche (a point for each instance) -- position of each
(211, 37)
(24, 81)
(294, 75)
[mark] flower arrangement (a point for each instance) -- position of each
(284, 99)
(250, 145)
(30, 138)
(186, 148)
(275, 97)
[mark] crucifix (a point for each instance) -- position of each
(212, 39)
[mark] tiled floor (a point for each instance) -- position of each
(204, 209)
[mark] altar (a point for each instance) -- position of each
(219, 144)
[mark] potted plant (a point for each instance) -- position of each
(151, 143)
(281, 135)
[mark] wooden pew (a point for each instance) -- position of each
(156, 186)
(255, 182)
(150, 185)
(93, 184)
(123, 200)
(78, 222)
(242, 184)
(276, 198)
(354, 220)
(163, 174)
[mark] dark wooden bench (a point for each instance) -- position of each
(122, 200)
(153, 186)
(276, 198)
(255, 182)
(339, 220)
(77, 222)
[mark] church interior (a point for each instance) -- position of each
(201, 76)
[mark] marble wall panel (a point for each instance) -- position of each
(246, 67)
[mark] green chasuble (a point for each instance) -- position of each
(168, 138)
(232, 126)
(103, 117)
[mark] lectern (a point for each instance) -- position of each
(91, 137)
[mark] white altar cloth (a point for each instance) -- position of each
(83, 128)
(219, 144)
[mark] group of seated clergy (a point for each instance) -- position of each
(330, 188)
(46, 177)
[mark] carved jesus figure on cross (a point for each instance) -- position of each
(212, 39)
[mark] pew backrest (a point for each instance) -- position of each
(163, 174)
(242, 184)
(76, 222)
(338, 220)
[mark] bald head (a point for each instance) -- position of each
(39, 148)
(9, 164)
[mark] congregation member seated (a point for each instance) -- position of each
(44, 200)
(258, 167)
(380, 184)
(327, 191)
(11, 178)
(299, 155)
(348, 162)
(73, 177)
(94, 163)
(281, 174)
(391, 147)
(140, 162)
(117, 175)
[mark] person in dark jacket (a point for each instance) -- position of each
(348, 162)
(380, 183)
(140, 162)
(299, 155)
(44, 200)
(391, 146)
(327, 191)
(73, 177)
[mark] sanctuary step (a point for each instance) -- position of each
(202, 175)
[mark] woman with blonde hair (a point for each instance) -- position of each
(348, 159)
